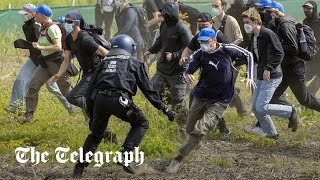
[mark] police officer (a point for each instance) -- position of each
(110, 93)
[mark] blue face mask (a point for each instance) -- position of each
(68, 27)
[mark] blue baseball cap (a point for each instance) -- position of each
(206, 34)
(43, 9)
(263, 3)
(277, 5)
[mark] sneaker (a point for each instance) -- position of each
(78, 170)
(275, 137)
(173, 167)
(255, 130)
(129, 169)
(14, 110)
(252, 114)
(28, 118)
(293, 120)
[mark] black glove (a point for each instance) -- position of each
(168, 113)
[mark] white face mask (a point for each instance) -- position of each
(248, 28)
(231, 1)
(216, 11)
(26, 17)
(68, 27)
(205, 47)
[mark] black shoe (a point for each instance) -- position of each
(275, 137)
(128, 169)
(78, 170)
(293, 120)
(28, 118)
(110, 137)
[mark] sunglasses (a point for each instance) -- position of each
(71, 21)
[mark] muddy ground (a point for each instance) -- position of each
(214, 160)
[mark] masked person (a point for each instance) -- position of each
(214, 90)
(49, 43)
(204, 21)
(110, 92)
(32, 32)
(268, 54)
(174, 37)
(88, 53)
(293, 68)
(312, 19)
(264, 14)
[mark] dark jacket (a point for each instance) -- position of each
(236, 11)
(216, 78)
(270, 53)
(32, 32)
(120, 71)
(314, 23)
(174, 37)
(128, 23)
(287, 33)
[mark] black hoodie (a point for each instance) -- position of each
(174, 37)
(287, 32)
(314, 21)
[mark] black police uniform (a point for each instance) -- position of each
(110, 93)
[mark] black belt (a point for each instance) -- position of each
(107, 92)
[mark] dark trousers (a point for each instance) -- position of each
(236, 100)
(104, 107)
(105, 18)
(294, 77)
(77, 94)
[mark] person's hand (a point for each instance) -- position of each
(189, 78)
(169, 56)
(54, 78)
(251, 84)
(266, 75)
(168, 113)
(183, 60)
(36, 46)
(146, 55)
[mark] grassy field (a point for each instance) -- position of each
(295, 155)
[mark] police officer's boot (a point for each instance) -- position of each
(78, 169)
(108, 136)
(27, 118)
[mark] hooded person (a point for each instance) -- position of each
(174, 37)
(312, 67)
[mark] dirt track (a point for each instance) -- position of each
(215, 160)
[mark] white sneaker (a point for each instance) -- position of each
(252, 114)
(255, 130)
(173, 167)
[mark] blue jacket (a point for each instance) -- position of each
(128, 23)
(215, 83)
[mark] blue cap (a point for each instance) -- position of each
(206, 34)
(277, 5)
(263, 3)
(61, 19)
(43, 9)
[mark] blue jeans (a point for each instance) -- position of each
(262, 109)
(21, 84)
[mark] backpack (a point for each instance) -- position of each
(94, 31)
(308, 49)
(143, 24)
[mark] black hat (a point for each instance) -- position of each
(204, 17)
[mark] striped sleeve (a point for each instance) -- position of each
(235, 52)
